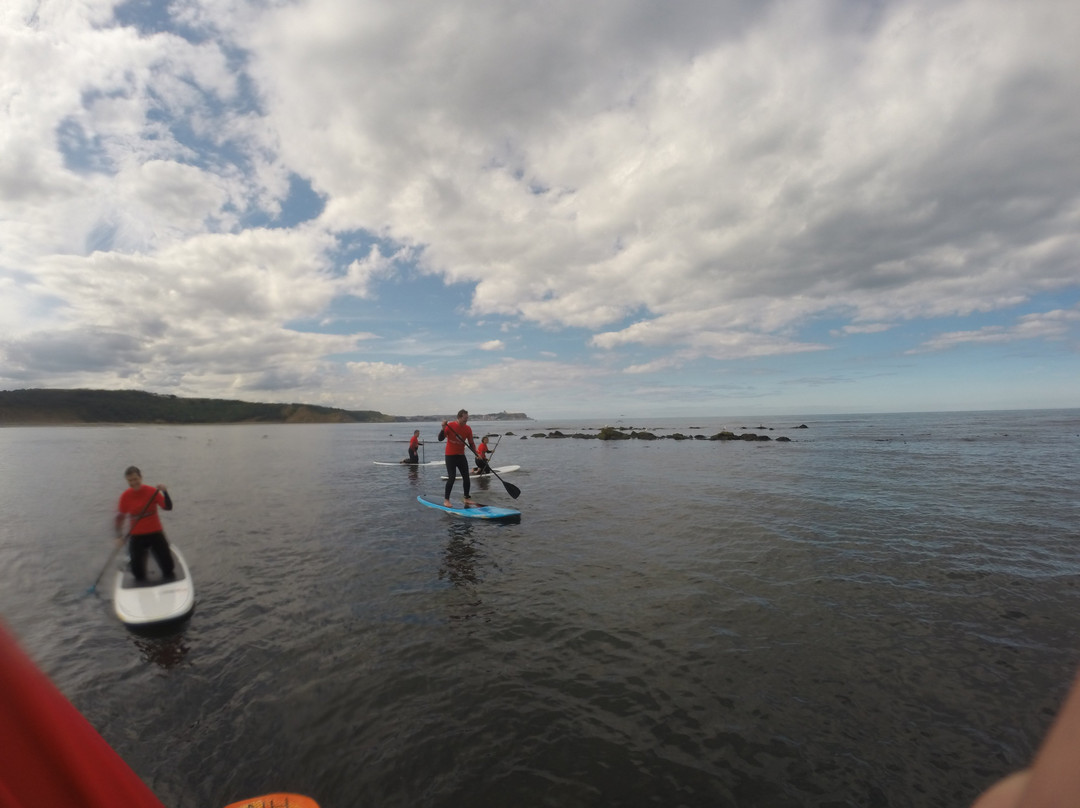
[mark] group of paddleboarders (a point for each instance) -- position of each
(139, 503)
(482, 450)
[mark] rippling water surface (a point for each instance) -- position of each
(882, 612)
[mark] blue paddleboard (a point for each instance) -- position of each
(476, 512)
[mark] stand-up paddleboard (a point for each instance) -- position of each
(276, 801)
(488, 512)
(154, 600)
(403, 463)
(498, 470)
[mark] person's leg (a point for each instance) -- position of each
(137, 554)
(160, 547)
(451, 475)
(466, 483)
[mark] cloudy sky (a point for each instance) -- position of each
(613, 207)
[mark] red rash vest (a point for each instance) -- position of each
(456, 435)
(132, 502)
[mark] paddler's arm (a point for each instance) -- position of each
(442, 432)
(168, 500)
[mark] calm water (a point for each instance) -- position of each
(883, 612)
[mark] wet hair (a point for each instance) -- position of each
(132, 470)
(462, 412)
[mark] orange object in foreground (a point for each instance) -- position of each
(276, 801)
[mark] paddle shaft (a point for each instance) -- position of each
(123, 541)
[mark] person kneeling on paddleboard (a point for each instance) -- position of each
(457, 434)
(414, 444)
(482, 466)
(139, 504)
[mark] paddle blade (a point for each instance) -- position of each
(511, 489)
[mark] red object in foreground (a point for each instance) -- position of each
(52, 755)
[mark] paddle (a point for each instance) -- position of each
(121, 543)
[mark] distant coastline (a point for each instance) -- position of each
(73, 407)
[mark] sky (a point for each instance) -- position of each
(567, 208)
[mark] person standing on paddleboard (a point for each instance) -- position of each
(414, 446)
(139, 504)
(457, 434)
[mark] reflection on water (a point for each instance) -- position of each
(463, 563)
(162, 645)
(459, 559)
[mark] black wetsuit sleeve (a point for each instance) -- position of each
(168, 500)
(442, 434)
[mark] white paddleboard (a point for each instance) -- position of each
(400, 463)
(498, 469)
(154, 600)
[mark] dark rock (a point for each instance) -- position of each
(611, 433)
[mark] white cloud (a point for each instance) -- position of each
(867, 328)
(794, 159)
(668, 184)
(1051, 325)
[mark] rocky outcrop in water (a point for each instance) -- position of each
(631, 433)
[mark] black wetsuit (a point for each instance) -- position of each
(454, 464)
(155, 543)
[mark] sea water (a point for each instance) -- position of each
(881, 611)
